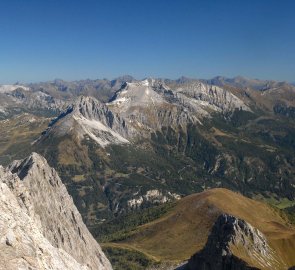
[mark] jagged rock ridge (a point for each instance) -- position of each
(40, 226)
(235, 245)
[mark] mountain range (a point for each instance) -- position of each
(125, 145)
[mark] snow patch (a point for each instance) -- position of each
(145, 82)
(100, 133)
(120, 100)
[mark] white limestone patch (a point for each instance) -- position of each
(136, 94)
(6, 88)
(100, 133)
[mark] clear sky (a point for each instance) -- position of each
(78, 39)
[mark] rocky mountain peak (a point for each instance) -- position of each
(230, 230)
(89, 118)
(23, 168)
(42, 227)
(90, 107)
(134, 94)
(235, 244)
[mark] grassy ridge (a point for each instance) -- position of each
(184, 229)
(127, 259)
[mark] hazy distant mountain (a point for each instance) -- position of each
(242, 82)
(101, 89)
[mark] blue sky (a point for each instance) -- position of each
(71, 39)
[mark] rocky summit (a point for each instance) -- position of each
(89, 118)
(40, 227)
(234, 244)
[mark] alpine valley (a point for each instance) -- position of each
(165, 174)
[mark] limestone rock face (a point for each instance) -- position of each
(40, 227)
(92, 109)
(208, 96)
(151, 103)
(235, 245)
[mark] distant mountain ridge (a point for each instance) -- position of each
(137, 108)
(53, 96)
(243, 82)
(125, 145)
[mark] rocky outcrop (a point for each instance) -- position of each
(40, 227)
(235, 245)
(283, 109)
(153, 196)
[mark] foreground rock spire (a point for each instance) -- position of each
(235, 245)
(40, 227)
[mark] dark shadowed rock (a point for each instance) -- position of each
(232, 239)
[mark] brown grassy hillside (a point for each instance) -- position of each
(184, 230)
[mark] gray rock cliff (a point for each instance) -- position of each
(40, 227)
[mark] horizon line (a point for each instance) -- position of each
(17, 82)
